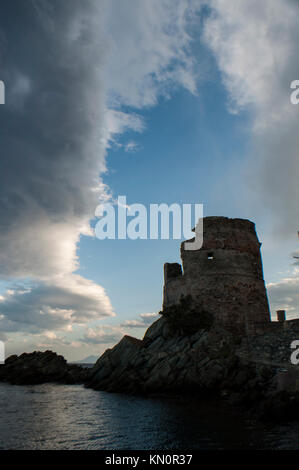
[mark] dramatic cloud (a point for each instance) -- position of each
(148, 49)
(63, 63)
(69, 68)
(51, 59)
(77, 75)
(52, 305)
(255, 44)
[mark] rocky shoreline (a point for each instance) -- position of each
(41, 367)
(199, 359)
(192, 358)
(214, 337)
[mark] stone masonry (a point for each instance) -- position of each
(224, 277)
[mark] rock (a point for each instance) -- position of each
(11, 359)
(155, 330)
(176, 362)
(156, 344)
(114, 368)
(240, 379)
(40, 367)
(159, 378)
(202, 358)
(183, 361)
(201, 341)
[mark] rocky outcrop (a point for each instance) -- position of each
(215, 335)
(206, 362)
(41, 367)
(173, 361)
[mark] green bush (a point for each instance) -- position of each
(187, 317)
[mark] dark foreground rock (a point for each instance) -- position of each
(205, 363)
(168, 361)
(165, 361)
(41, 367)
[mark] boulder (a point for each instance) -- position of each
(40, 367)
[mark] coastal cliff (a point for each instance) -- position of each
(208, 362)
(167, 361)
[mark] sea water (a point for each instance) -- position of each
(51, 416)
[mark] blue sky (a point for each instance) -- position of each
(188, 145)
(163, 101)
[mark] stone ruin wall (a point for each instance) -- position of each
(224, 277)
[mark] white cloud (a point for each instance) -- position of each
(255, 44)
(65, 107)
(42, 248)
(55, 304)
(110, 335)
(105, 62)
(131, 147)
(117, 123)
(148, 50)
(284, 295)
(144, 321)
(102, 335)
(98, 54)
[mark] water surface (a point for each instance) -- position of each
(51, 416)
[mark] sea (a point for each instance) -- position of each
(68, 417)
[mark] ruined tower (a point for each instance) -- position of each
(224, 277)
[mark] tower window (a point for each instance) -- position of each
(211, 255)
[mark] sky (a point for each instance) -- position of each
(162, 101)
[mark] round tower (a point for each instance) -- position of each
(225, 276)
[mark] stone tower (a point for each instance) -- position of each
(224, 277)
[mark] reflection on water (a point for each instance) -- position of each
(53, 416)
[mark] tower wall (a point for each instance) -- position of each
(224, 277)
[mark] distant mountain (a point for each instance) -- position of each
(88, 360)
